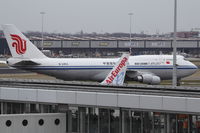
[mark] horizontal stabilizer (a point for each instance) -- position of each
(26, 63)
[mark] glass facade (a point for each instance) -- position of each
(93, 123)
(111, 120)
(106, 120)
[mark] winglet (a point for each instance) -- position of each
(117, 74)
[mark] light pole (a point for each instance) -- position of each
(174, 82)
(42, 13)
(130, 14)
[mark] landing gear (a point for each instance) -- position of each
(178, 82)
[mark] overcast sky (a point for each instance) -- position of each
(72, 16)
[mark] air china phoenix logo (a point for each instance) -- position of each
(19, 44)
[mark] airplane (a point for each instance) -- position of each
(117, 74)
(148, 69)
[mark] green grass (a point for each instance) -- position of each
(3, 65)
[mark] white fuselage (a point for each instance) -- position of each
(98, 68)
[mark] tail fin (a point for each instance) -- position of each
(117, 74)
(19, 45)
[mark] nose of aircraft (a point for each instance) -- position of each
(192, 69)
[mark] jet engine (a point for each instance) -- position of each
(149, 79)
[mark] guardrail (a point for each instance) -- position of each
(156, 98)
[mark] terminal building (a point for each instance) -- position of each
(110, 46)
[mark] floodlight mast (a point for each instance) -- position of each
(130, 14)
(174, 78)
(42, 13)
